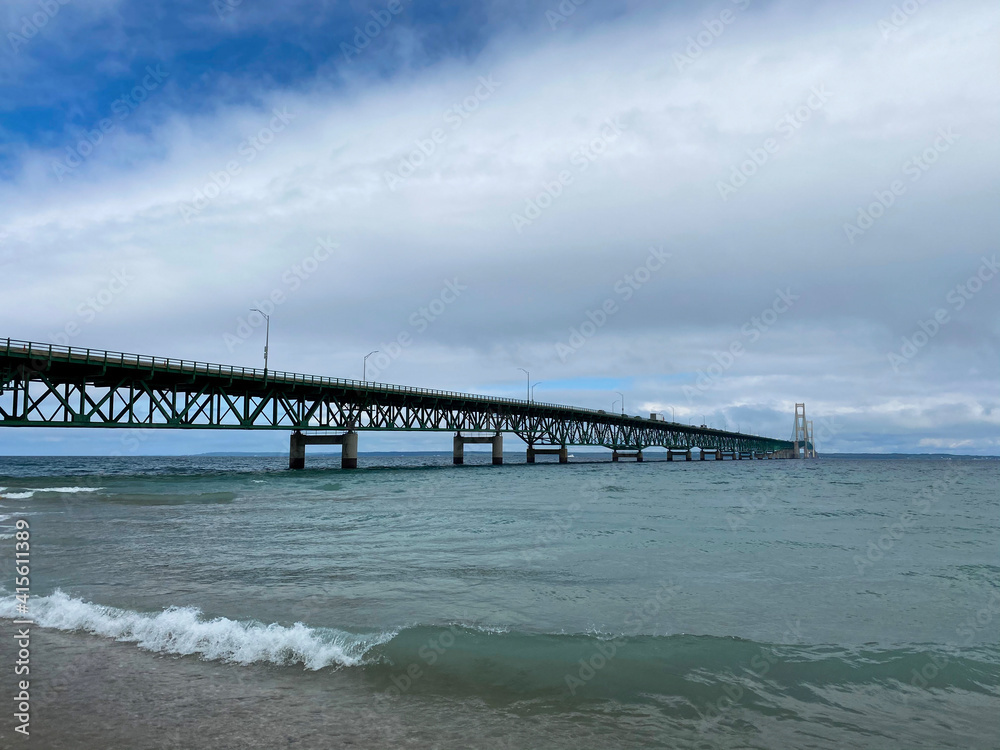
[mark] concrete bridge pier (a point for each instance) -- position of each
(348, 443)
(349, 451)
(561, 451)
(297, 451)
(617, 454)
(458, 452)
(718, 455)
(671, 452)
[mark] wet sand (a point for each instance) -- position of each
(89, 693)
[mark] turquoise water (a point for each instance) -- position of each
(825, 603)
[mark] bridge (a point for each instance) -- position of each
(42, 385)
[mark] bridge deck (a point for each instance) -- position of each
(58, 386)
(106, 365)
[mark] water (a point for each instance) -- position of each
(225, 602)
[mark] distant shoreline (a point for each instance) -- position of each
(281, 454)
(873, 456)
(284, 454)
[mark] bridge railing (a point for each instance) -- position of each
(81, 355)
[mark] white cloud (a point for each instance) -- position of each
(656, 184)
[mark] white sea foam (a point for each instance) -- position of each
(6, 536)
(183, 630)
(59, 490)
(491, 629)
(4, 518)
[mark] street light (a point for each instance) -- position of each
(672, 414)
(623, 401)
(528, 385)
(533, 390)
(613, 404)
(267, 334)
(364, 366)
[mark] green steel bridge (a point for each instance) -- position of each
(42, 385)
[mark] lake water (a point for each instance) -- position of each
(227, 602)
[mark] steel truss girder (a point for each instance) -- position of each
(39, 400)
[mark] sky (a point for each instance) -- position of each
(717, 209)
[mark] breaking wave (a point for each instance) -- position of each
(185, 631)
(514, 665)
(28, 493)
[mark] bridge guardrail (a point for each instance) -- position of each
(97, 356)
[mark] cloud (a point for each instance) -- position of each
(417, 176)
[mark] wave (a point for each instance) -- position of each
(26, 493)
(184, 631)
(201, 498)
(124, 498)
(514, 665)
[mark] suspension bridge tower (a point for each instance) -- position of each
(802, 435)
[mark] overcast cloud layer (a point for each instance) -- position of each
(721, 209)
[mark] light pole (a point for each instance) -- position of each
(613, 404)
(528, 376)
(267, 334)
(672, 414)
(364, 366)
(533, 391)
(623, 402)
